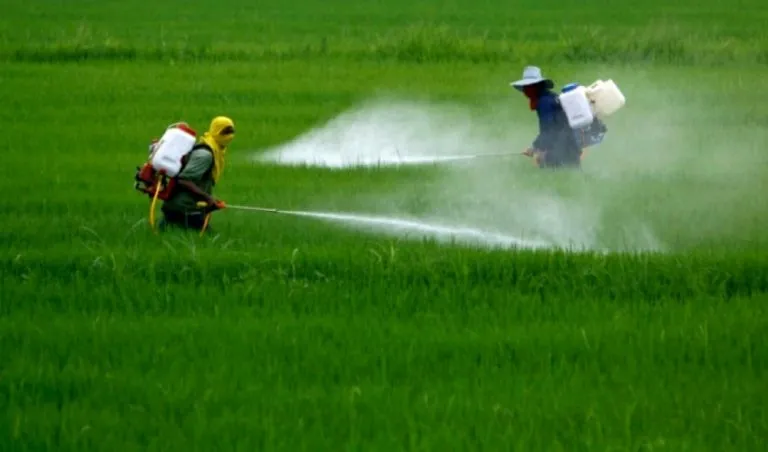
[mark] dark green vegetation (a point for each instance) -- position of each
(293, 334)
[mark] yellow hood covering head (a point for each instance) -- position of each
(218, 137)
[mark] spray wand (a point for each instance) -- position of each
(258, 209)
(209, 211)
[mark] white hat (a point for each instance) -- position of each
(531, 76)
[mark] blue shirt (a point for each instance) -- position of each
(550, 115)
(555, 134)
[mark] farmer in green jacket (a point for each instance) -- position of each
(192, 202)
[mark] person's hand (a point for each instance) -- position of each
(529, 152)
(212, 204)
(215, 204)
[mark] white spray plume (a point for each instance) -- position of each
(492, 194)
(409, 228)
(648, 148)
(380, 133)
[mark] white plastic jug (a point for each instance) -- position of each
(577, 108)
(175, 143)
(606, 98)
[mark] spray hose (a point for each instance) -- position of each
(208, 213)
(154, 203)
(153, 208)
(205, 223)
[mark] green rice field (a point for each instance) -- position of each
(638, 324)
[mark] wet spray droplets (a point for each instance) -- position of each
(440, 232)
(497, 191)
(397, 226)
(383, 133)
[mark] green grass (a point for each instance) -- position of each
(290, 333)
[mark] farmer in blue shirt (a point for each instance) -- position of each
(556, 145)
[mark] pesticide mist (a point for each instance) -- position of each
(620, 202)
(384, 133)
(417, 230)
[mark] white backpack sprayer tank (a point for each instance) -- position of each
(166, 157)
(576, 105)
(175, 143)
(587, 133)
(605, 97)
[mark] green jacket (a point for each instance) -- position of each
(199, 170)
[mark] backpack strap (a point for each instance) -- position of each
(185, 158)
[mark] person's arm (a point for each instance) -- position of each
(199, 162)
(194, 189)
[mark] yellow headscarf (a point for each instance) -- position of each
(218, 137)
